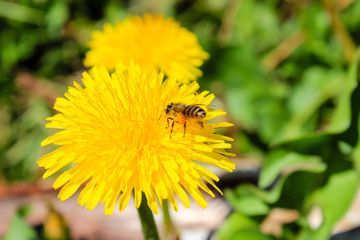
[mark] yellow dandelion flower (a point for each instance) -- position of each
(116, 137)
(153, 42)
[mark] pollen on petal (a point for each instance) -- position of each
(124, 199)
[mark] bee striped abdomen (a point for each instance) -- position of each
(192, 111)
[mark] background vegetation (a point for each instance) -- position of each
(286, 71)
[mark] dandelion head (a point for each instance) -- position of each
(152, 41)
(115, 138)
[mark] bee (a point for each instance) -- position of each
(182, 113)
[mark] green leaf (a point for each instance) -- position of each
(307, 99)
(317, 24)
(249, 100)
(334, 199)
(251, 193)
(239, 226)
(341, 118)
(309, 144)
(21, 13)
(250, 235)
(317, 86)
(244, 201)
(356, 153)
(351, 17)
(56, 17)
(19, 229)
(309, 165)
(114, 11)
(263, 23)
(253, 201)
(274, 194)
(280, 161)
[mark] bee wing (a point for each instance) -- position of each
(210, 106)
(204, 105)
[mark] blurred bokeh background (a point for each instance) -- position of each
(286, 71)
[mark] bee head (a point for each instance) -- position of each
(168, 108)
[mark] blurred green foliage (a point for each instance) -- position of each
(303, 114)
(19, 229)
(287, 72)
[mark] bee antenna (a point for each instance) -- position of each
(161, 114)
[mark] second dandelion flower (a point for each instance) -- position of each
(153, 42)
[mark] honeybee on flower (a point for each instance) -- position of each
(119, 147)
(182, 113)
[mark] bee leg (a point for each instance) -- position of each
(172, 125)
(168, 121)
(184, 128)
(201, 123)
(172, 128)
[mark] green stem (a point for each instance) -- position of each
(340, 30)
(147, 221)
(169, 227)
(167, 219)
